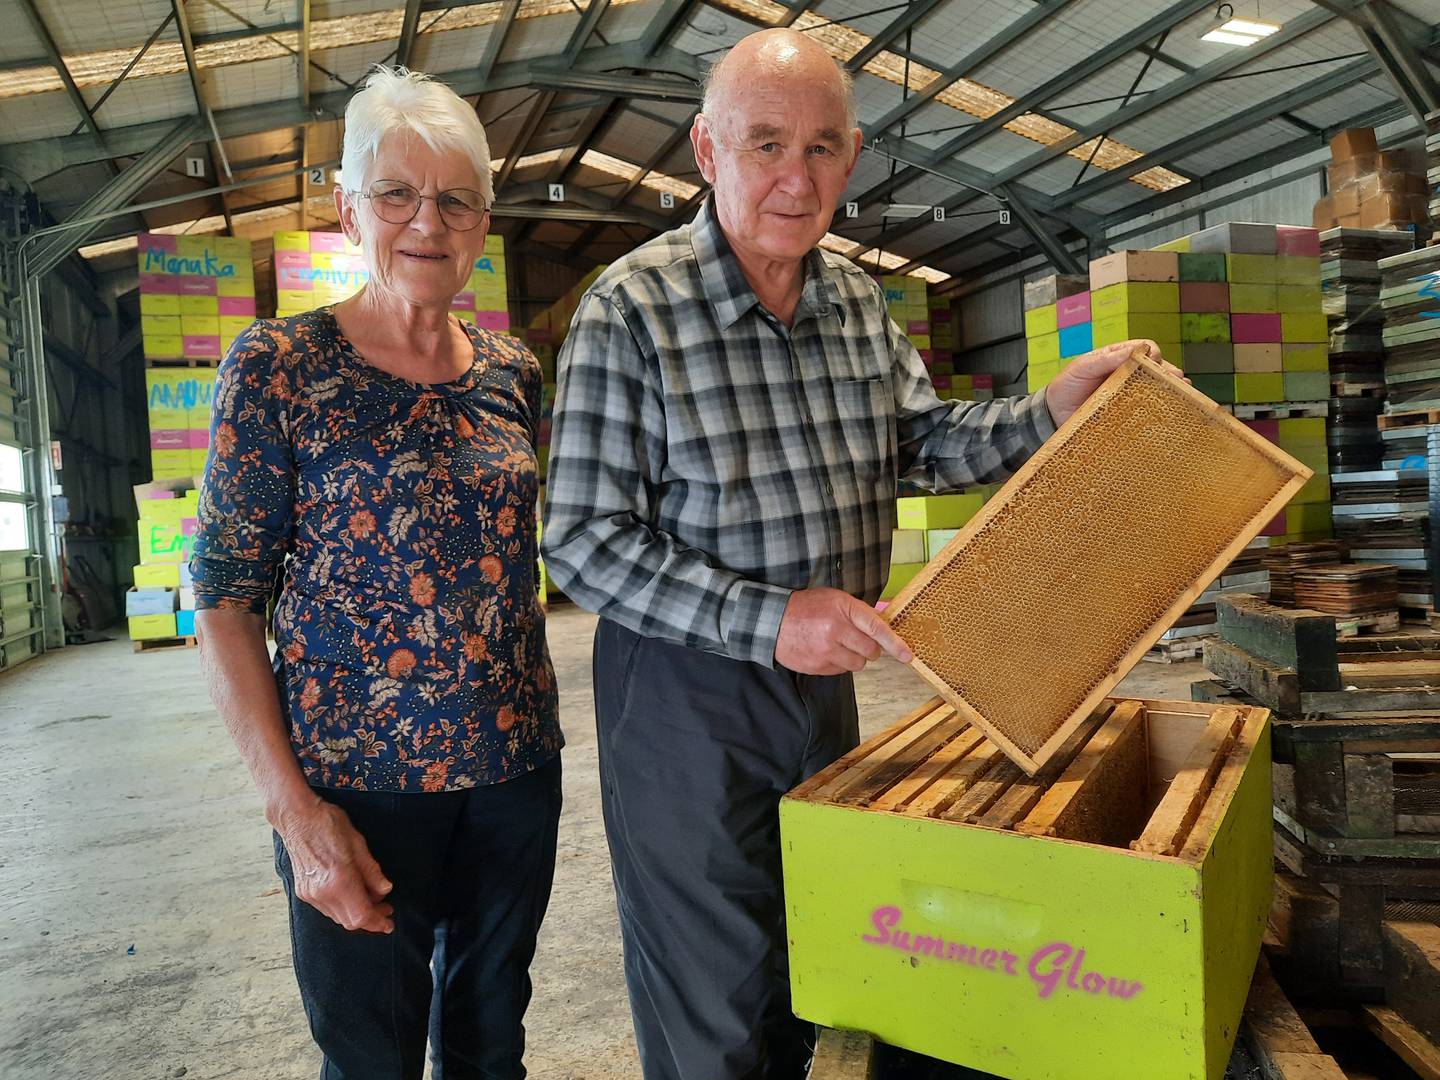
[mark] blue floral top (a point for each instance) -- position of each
(411, 642)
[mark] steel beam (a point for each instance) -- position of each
(116, 193)
(666, 22)
(52, 51)
(1041, 233)
(197, 82)
(1298, 98)
(409, 26)
(630, 86)
(496, 41)
(897, 26)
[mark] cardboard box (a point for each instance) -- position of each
(1387, 209)
(927, 512)
(1207, 359)
(1346, 200)
(1134, 266)
(149, 627)
(1258, 358)
(1341, 174)
(1353, 141)
(1070, 959)
(1323, 216)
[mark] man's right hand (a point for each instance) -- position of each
(827, 632)
(334, 870)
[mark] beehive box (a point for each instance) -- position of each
(941, 900)
(1087, 555)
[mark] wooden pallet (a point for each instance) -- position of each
(1415, 418)
(156, 644)
(1379, 622)
(1177, 651)
(1280, 410)
(1151, 465)
(1357, 389)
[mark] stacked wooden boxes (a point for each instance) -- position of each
(1136, 294)
(925, 524)
(1370, 188)
(944, 340)
(1410, 298)
(1043, 347)
(1432, 165)
(177, 402)
(1350, 282)
(1356, 796)
(162, 603)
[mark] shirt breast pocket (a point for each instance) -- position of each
(865, 412)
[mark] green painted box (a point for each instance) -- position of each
(939, 916)
(1205, 327)
(1214, 385)
(927, 512)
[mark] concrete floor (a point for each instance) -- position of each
(142, 929)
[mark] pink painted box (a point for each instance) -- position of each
(1254, 329)
(1072, 310)
(1297, 240)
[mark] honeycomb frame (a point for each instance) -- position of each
(1029, 586)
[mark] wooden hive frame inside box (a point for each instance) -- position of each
(1087, 555)
(1141, 851)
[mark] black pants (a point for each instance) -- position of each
(472, 872)
(695, 752)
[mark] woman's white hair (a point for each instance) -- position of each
(395, 100)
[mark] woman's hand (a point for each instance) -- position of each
(334, 870)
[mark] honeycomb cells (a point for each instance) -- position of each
(1084, 558)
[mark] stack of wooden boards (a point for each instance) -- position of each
(1350, 285)
(1347, 590)
(1383, 518)
(1410, 296)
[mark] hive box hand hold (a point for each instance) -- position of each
(1087, 555)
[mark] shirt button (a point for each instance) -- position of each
(829, 488)
(837, 566)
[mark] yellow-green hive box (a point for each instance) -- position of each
(1151, 324)
(1305, 356)
(1039, 373)
(1040, 321)
(938, 511)
(1255, 388)
(149, 627)
(1134, 296)
(1027, 955)
(901, 574)
(1304, 328)
(1252, 269)
(1043, 349)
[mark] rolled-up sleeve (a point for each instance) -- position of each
(247, 498)
(607, 458)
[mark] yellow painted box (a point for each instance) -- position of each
(1257, 387)
(1134, 296)
(1040, 321)
(1043, 349)
(937, 511)
(1030, 955)
(1154, 325)
(901, 574)
(1040, 372)
(147, 627)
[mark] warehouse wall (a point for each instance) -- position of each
(97, 417)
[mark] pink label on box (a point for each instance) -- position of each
(1297, 240)
(162, 495)
(1072, 310)
(189, 526)
(327, 241)
(158, 242)
(1254, 329)
(198, 439)
(492, 320)
(202, 346)
(917, 326)
(464, 301)
(169, 439)
(984, 382)
(196, 285)
(237, 305)
(166, 284)
(298, 259)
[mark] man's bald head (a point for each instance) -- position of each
(782, 55)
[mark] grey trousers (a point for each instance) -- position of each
(695, 752)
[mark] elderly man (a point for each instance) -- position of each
(734, 410)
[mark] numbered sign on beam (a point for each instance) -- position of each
(557, 192)
(667, 200)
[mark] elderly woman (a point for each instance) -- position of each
(374, 465)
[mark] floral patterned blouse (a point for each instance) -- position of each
(410, 640)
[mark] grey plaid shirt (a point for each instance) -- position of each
(706, 460)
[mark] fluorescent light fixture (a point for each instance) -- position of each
(906, 210)
(1251, 27)
(1225, 37)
